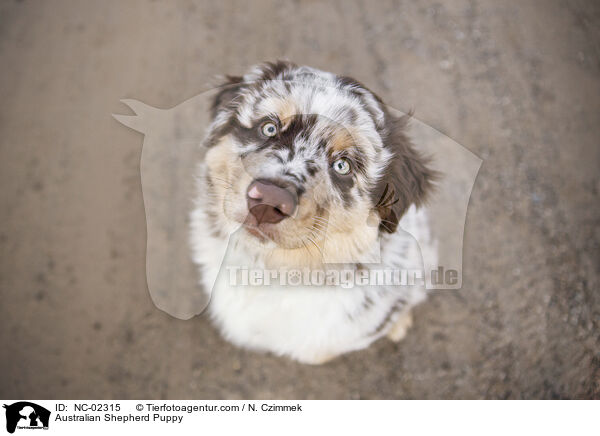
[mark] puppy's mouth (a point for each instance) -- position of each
(261, 232)
(263, 222)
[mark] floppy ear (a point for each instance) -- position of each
(228, 91)
(407, 179)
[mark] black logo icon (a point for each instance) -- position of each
(24, 414)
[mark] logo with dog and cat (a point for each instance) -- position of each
(25, 415)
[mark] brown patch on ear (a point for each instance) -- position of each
(407, 180)
(227, 92)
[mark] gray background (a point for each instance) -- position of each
(515, 82)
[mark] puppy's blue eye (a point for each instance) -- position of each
(269, 129)
(341, 166)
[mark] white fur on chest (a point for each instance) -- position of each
(309, 323)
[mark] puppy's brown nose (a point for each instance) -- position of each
(268, 202)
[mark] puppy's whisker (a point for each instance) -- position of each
(320, 220)
(315, 244)
(320, 227)
(326, 210)
(222, 188)
(317, 233)
(389, 204)
(329, 223)
(306, 247)
(322, 223)
(222, 183)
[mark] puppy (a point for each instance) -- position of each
(307, 171)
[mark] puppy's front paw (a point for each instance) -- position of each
(401, 326)
(318, 359)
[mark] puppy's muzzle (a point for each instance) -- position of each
(268, 202)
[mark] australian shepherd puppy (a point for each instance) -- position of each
(307, 172)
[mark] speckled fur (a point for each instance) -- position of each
(341, 222)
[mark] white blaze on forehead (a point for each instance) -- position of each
(313, 91)
(297, 165)
(329, 102)
(291, 97)
(332, 95)
(326, 101)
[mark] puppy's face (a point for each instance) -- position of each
(310, 164)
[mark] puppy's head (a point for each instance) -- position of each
(308, 162)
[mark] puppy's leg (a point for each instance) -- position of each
(320, 360)
(401, 326)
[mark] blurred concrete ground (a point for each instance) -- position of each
(515, 82)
